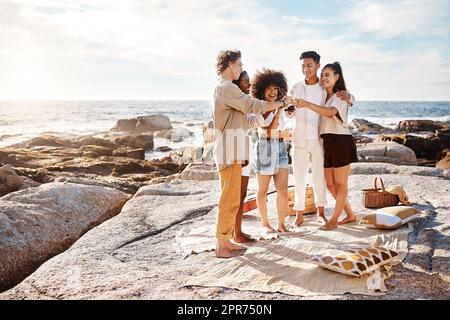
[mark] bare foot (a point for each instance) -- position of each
(225, 253)
(331, 225)
(322, 218)
(348, 219)
(269, 228)
(299, 219)
(243, 238)
(282, 228)
(235, 247)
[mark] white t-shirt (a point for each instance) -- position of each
(314, 94)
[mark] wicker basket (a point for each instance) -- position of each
(378, 198)
(310, 206)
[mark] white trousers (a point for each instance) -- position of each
(302, 159)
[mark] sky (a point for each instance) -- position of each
(152, 49)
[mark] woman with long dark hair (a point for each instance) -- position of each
(338, 142)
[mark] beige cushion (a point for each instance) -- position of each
(390, 217)
(355, 261)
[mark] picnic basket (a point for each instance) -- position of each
(378, 198)
(310, 205)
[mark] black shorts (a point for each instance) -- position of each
(339, 150)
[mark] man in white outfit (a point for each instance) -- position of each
(307, 148)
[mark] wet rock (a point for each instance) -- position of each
(422, 126)
(364, 126)
(39, 223)
(429, 148)
(130, 153)
(140, 141)
(164, 149)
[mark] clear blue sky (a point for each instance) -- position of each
(154, 49)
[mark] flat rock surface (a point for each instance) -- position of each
(39, 223)
(132, 256)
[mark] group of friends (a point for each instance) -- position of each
(250, 133)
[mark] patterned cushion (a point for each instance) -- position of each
(354, 261)
(390, 217)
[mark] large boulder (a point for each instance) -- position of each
(150, 123)
(429, 147)
(153, 123)
(367, 127)
(389, 152)
(39, 223)
(126, 125)
(97, 260)
(422, 126)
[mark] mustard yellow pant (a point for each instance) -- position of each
(230, 198)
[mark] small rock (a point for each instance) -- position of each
(164, 149)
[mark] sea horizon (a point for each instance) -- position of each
(21, 120)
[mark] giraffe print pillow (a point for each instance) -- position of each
(355, 261)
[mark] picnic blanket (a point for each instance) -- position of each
(281, 264)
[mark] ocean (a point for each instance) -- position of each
(22, 120)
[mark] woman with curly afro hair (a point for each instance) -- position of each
(269, 152)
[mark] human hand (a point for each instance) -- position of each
(343, 95)
(288, 100)
(300, 103)
(286, 135)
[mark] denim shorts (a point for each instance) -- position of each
(269, 156)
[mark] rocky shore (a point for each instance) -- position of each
(90, 217)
